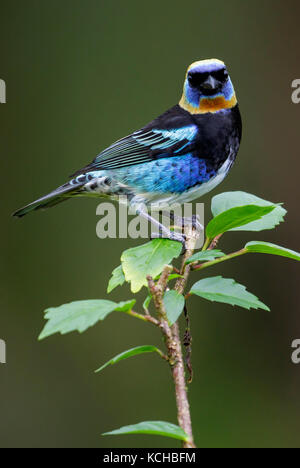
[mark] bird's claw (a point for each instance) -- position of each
(183, 222)
(194, 221)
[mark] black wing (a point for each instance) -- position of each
(166, 136)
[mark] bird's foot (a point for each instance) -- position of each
(182, 223)
(194, 221)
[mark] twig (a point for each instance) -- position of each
(176, 270)
(187, 341)
(215, 242)
(157, 291)
(163, 280)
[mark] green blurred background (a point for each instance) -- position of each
(79, 75)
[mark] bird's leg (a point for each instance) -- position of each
(181, 222)
(163, 231)
(194, 221)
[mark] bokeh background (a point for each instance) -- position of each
(81, 74)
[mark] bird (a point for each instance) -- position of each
(179, 156)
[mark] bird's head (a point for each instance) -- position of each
(207, 88)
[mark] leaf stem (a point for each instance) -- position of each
(206, 243)
(164, 356)
(219, 260)
(145, 318)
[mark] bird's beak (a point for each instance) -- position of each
(210, 84)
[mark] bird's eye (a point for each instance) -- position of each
(197, 79)
(221, 75)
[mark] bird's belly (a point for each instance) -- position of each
(205, 187)
(177, 179)
(158, 201)
(175, 174)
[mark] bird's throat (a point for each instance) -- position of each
(208, 104)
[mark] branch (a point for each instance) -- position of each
(183, 407)
(157, 291)
(172, 336)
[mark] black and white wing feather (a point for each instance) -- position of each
(152, 142)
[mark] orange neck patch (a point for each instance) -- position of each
(208, 104)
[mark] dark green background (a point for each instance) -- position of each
(81, 74)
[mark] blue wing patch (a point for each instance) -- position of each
(144, 146)
(162, 139)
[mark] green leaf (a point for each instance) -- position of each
(228, 200)
(117, 279)
(236, 217)
(80, 315)
(148, 259)
(129, 353)
(152, 427)
(124, 306)
(273, 249)
(174, 304)
(228, 291)
(205, 256)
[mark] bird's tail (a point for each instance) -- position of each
(59, 195)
